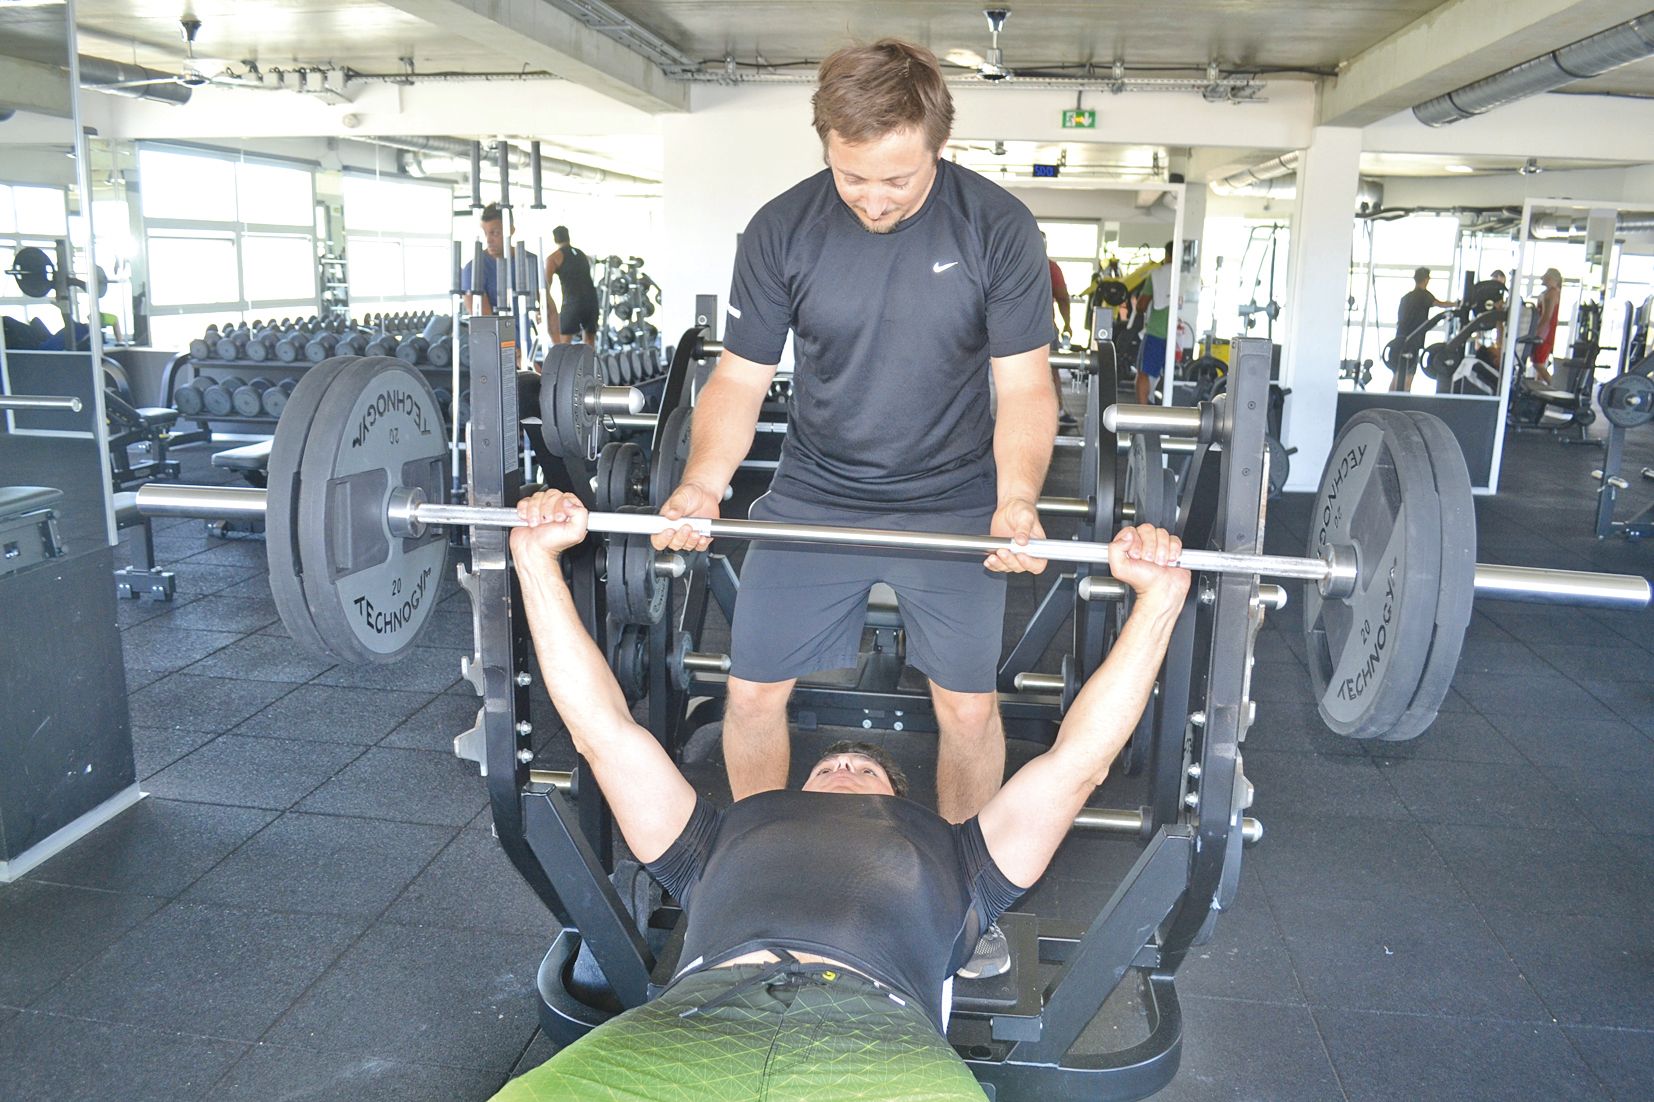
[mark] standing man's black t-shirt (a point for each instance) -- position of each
(876, 883)
(1410, 315)
(892, 337)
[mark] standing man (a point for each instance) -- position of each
(906, 282)
(1550, 302)
(573, 269)
(1411, 316)
(484, 298)
(1151, 359)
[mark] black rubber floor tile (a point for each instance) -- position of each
(47, 1057)
(1281, 647)
(1492, 655)
(251, 772)
(282, 1072)
(48, 931)
(1454, 736)
(1281, 682)
(421, 669)
(261, 658)
(1589, 969)
(1495, 694)
(1544, 625)
(1616, 799)
(333, 713)
(216, 612)
(463, 998)
(539, 1050)
(1297, 729)
(406, 785)
(198, 578)
(435, 726)
(155, 748)
(1246, 957)
(473, 885)
(1549, 740)
(1312, 784)
(1405, 1058)
(449, 628)
(156, 646)
(191, 702)
(1099, 858)
(1396, 955)
(322, 864)
(129, 613)
(1631, 700)
(1481, 792)
(1237, 1051)
(1334, 857)
(256, 587)
(1604, 662)
(219, 971)
(1623, 1059)
(247, 553)
(158, 847)
(1544, 871)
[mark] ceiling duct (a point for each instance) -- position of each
(1628, 222)
(1277, 178)
(1619, 45)
(99, 74)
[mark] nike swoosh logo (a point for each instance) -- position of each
(939, 267)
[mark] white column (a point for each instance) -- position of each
(1317, 281)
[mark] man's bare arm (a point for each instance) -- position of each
(651, 800)
(1028, 819)
(1025, 427)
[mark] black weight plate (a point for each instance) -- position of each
(1280, 465)
(621, 468)
(572, 431)
(636, 594)
(1367, 651)
(1145, 484)
(376, 429)
(1627, 400)
(1458, 577)
(631, 662)
(671, 456)
(281, 519)
(1112, 292)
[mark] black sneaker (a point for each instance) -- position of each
(991, 958)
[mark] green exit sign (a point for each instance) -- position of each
(1079, 120)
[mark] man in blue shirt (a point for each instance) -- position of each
(493, 235)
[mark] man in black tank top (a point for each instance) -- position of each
(573, 269)
(823, 924)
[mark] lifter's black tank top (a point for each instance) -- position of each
(877, 883)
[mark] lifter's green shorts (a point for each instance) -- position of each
(835, 1040)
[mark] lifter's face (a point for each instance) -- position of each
(493, 236)
(851, 773)
(884, 180)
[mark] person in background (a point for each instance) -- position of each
(573, 269)
(1151, 359)
(483, 297)
(1411, 314)
(1550, 300)
(1059, 299)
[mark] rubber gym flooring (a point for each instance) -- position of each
(310, 905)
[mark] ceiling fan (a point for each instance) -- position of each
(189, 74)
(991, 67)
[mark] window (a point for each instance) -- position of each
(397, 242)
(226, 239)
(1074, 247)
(30, 216)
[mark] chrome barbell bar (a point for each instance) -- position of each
(1336, 574)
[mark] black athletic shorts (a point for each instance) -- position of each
(577, 317)
(801, 608)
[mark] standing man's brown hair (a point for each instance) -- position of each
(866, 92)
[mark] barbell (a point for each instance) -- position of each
(357, 487)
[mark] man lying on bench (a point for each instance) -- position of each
(822, 923)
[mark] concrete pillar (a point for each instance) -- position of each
(1317, 281)
(1194, 229)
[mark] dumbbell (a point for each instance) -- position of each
(382, 344)
(275, 398)
(261, 345)
(219, 397)
(248, 400)
(445, 399)
(351, 343)
(231, 345)
(203, 346)
(464, 410)
(438, 332)
(188, 399)
(321, 346)
(290, 346)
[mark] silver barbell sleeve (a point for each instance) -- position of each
(614, 401)
(1153, 420)
(21, 402)
(408, 514)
